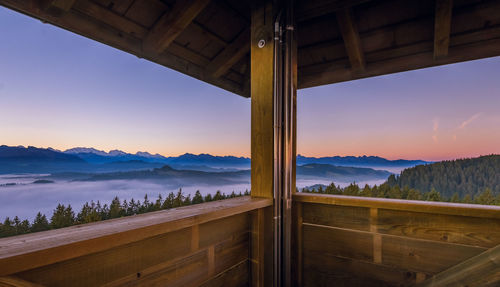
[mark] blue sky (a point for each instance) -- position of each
(61, 90)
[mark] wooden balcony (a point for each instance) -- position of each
(207, 244)
(359, 241)
(235, 45)
(341, 240)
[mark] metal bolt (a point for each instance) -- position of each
(261, 43)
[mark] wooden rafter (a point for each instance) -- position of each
(172, 24)
(57, 7)
(442, 26)
(352, 42)
(313, 9)
(230, 55)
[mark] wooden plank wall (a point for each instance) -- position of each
(370, 246)
(214, 253)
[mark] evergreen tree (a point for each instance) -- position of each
(40, 223)
(88, 213)
(7, 228)
(62, 217)
(486, 197)
(179, 199)
(115, 209)
(433, 195)
(218, 196)
(158, 203)
(414, 195)
(169, 201)
(197, 198)
(455, 198)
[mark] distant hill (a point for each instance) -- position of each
(36, 160)
(464, 176)
(339, 173)
(360, 161)
(179, 177)
(312, 171)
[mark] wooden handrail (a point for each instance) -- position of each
(480, 270)
(474, 210)
(29, 251)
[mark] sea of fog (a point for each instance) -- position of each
(25, 199)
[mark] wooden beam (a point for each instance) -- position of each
(110, 17)
(442, 26)
(230, 55)
(313, 9)
(57, 7)
(480, 270)
(172, 24)
(335, 72)
(352, 43)
(63, 5)
(16, 282)
(262, 78)
(206, 32)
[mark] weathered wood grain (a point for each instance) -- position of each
(326, 270)
(172, 24)
(230, 55)
(236, 276)
(476, 231)
(350, 34)
(234, 226)
(442, 28)
(337, 242)
(262, 145)
(11, 281)
(351, 217)
(480, 270)
(423, 255)
(472, 210)
(39, 249)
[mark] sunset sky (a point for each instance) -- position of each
(61, 90)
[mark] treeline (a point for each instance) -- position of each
(386, 191)
(463, 177)
(64, 216)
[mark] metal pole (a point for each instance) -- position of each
(278, 152)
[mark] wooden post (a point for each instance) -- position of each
(262, 145)
(261, 90)
(273, 81)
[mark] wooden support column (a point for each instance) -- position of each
(261, 90)
(442, 26)
(262, 145)
(273, 90)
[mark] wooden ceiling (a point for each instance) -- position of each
(338, 40)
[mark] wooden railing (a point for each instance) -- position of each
(207, 244)
(342, 240)
(358, 241)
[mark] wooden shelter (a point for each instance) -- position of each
(265, 50)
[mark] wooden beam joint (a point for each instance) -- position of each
(172, 24)
(352, 42)
(442, 27)
(56, 8)
(230, 55)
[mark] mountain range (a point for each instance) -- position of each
(21, 159)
